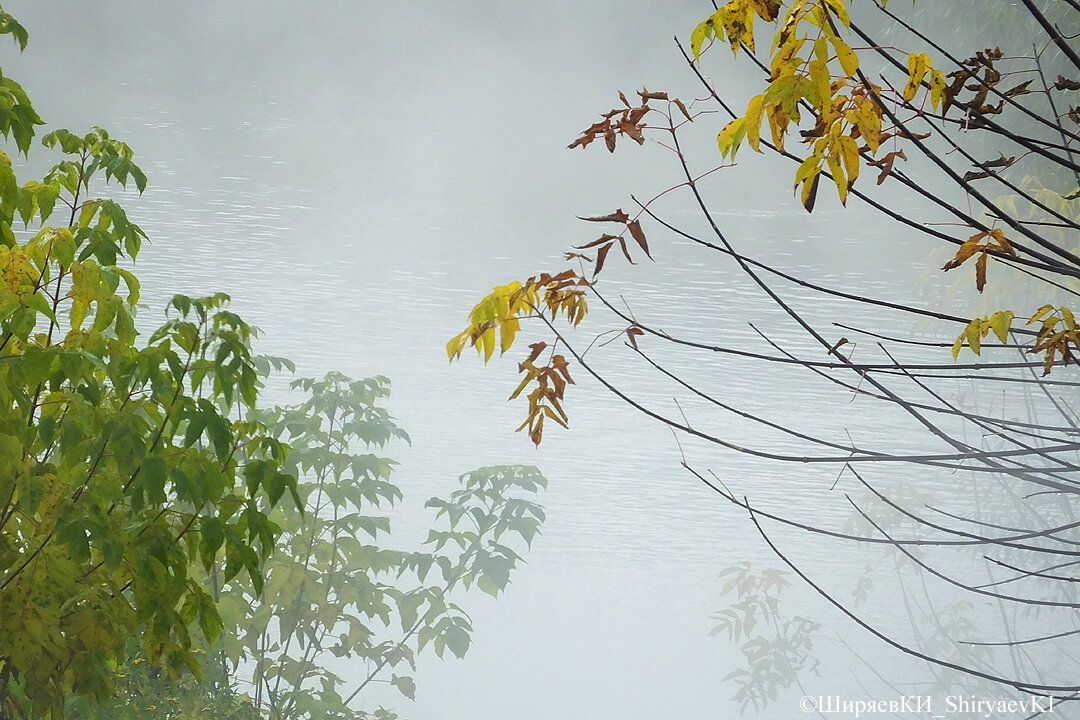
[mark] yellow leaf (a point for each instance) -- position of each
(767, 10)
(973, 334)
(849, 61)
(486, 343)
(937, 87)
(507, 331)
(868, 120)
(731, 137)
(822, 82)
(530, 375)
(737, 19)
(849, 151)
(753, 122)
(1069, 321)
(969, 248)
(786, 59)
(821, 50)
(840, 8)
(778, 122)
(1002, 243)
(837, 173)
(955, 348)
(809, 191)
(456, 345)
(1040, 313)
(918, 64)
(807, 169)
(703, 31)
(1000, 323)
(784, 90)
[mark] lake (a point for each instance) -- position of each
(358, 175)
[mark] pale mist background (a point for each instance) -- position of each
(356, 175)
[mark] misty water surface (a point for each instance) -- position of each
(357, 175)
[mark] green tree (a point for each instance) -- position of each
(892, 109)
(333, 592)
(141, 489)
(120, 463)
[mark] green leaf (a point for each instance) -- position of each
(154, 473)
(405, 684)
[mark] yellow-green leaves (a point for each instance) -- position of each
(731, 137)
(496, 319)
(498, 313)
(816, 70)
(978, 328)
(735, 22)
(1057, 336)
(704, 31)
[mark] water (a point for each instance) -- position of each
(357, 178)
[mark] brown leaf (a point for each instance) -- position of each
(646, 95)
(632, 333)
(638, 234)
(1001, 162)
(768, 10)
(812, 197)
(618, 216)
(537, 348)
(679, 104)
(632, 130)
(980, 272)
(885, 164)
(969, 248)
(634, 115)
(975, 175)
(1064, 83)
(1020, 89)
(624, 100)
(602, 240)
(582, 141)
(536, 431)
(998, 238)
(601, 256)
(609, 138)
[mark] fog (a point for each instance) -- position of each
(357, 175)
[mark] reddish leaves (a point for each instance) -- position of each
(1057, 336)
(626, 121)
(545, 401)
(606, 241)
(885, 164)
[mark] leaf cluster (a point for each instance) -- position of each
(776, 648)
(334, 589)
